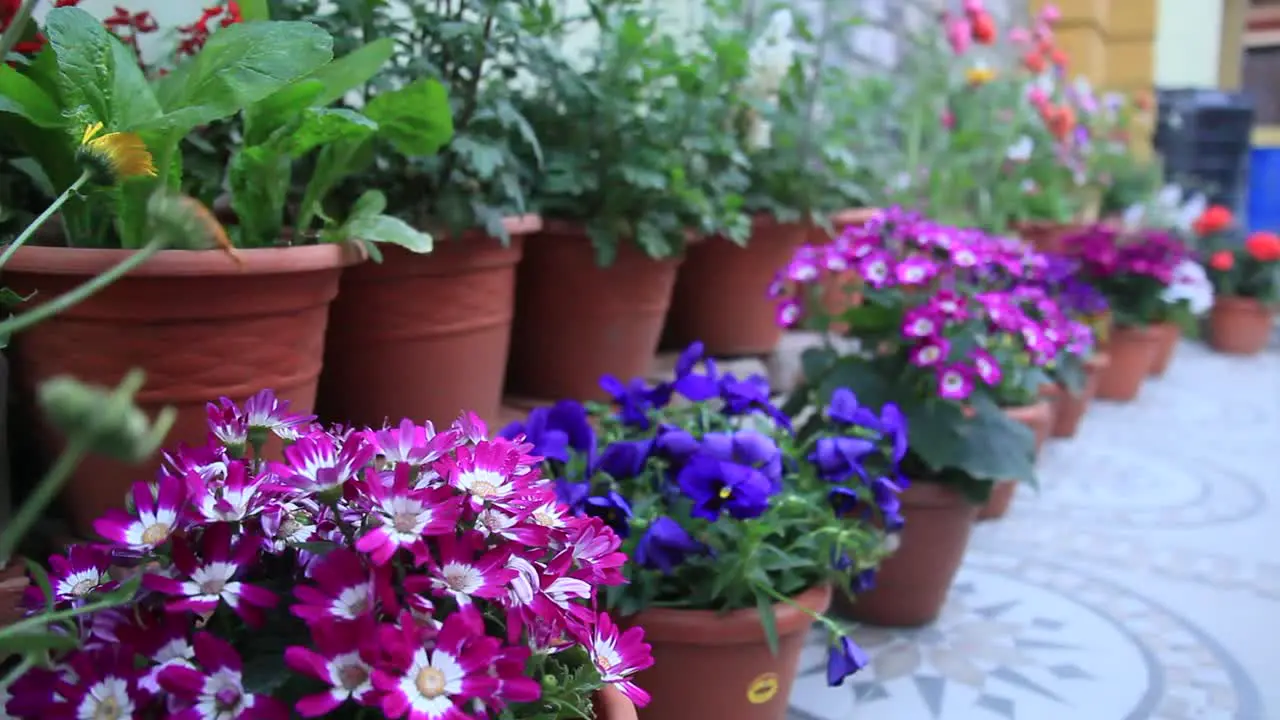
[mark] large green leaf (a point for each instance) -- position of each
(387, 229)
(353, 70)
(259, 179)
(239, 66)
(416, 119)
(20, 95)
(278, 109)
(996, 447)
(99, 76)
(322, 126)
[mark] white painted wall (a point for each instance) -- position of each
(1188, 40)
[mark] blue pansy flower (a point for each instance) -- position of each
(747, 447)
(844, 658)
(613, 509)
(715, 486)
(624, 459)
(665, 545)
(839, 458)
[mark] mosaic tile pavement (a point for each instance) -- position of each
(1140, 582)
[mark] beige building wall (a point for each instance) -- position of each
(1188, 43)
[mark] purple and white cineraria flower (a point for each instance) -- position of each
(368, 558)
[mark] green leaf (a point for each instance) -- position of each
(319, 547)
(336, 161)
(100, 77)
(369, 204)
(239, 66)
(36, 642)
(483, 159)
(353, 70)
(416, 119)
(21, 96)
(387, 229)
(768, 620)
(323, 126)
(276, 110)
(254, 10)
(259, 179)
(41, 578)
(9, 298)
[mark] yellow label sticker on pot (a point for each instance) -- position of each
(763, 688)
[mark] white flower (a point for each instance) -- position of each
(1192, 209)
(1191, 285)
(772, 54)
(1021, 150)
(1134, 217)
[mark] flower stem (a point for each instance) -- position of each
(17, 25)
(44, 494)
(18, 323)
(36, 224)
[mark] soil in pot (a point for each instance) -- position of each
(611, 704)
(709, 665)
(1132, 350)
(912, 584)
(721, 293)
(576, 321)
(1073, 406)
(1167, 336)
(199, 323)
(1038, 417)
(423, 336)
(1239, 326)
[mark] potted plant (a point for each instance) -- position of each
(269, 298)
(400, 343)
(735, 527)
(371, 571)
(1075, 372)
(923, 329)
(1246, 281)
(1132, 269)
(798, 172)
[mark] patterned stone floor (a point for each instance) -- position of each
(1142, 581)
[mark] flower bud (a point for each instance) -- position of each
(104, 421)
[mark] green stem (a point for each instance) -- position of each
(18, 323)
(44, 494)
(35, 225)
(17, 25)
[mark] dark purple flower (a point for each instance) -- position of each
(634, 400)
(696, 387)
(844, 408)
(624, 459)
(839, 458)
(844, 659)
(556, 430)
(886, 492)
(613, 509)
(747, 447)
(716, 485)
(894, 424)
(573, 494)
(863, 581)
(843, 500)
(676, 444)
(665, 545)
(742, 397)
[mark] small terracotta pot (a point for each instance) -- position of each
(576, 321)
(1167, 336)
(712, 665)
(13, 585)
(839, 291)
(1132, 350)
(1072, 406)
(611, 704)
(721, 293)
(200, 324)
(912, 583)
(423, 336)
(1239, 326)
(1047, 237)
(1037, 417)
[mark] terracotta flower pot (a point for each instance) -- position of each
(1038, 417)
(1047, 237)
(1239, 326)
(712, 665)
(576, 321)
(912, 583)
(423, 336)
(721, 294)
(1132, 350)
(611, 704)
(200, 324)
(839, 291)
(1072, 406)
(1167, 336)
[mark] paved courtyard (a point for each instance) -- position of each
(1142, 581)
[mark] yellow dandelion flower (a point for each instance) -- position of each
(980, 75)
(113, 157)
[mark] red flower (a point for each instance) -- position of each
(1033, 61)
(984, 29)
(1222, 260)
(1058, 57)
(1214, 219)
(1263, 246)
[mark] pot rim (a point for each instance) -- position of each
(737, 627)
(1240, 302)
(515, 225)
(925, 493)
(1098, 361)
(1038, 410)
(1144, 333)
(853, 216)
(43, 260)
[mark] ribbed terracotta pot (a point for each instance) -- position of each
(712, 665)
(1038, 417)
(197, 322)
(1073, 406)
(611, 704)
(1239, 326)
(1167, 336)
(1132, 350)
(576, 321)
(912, 584)
(721, 293)
(423, 336)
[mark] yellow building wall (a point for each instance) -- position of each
(1111, 43)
